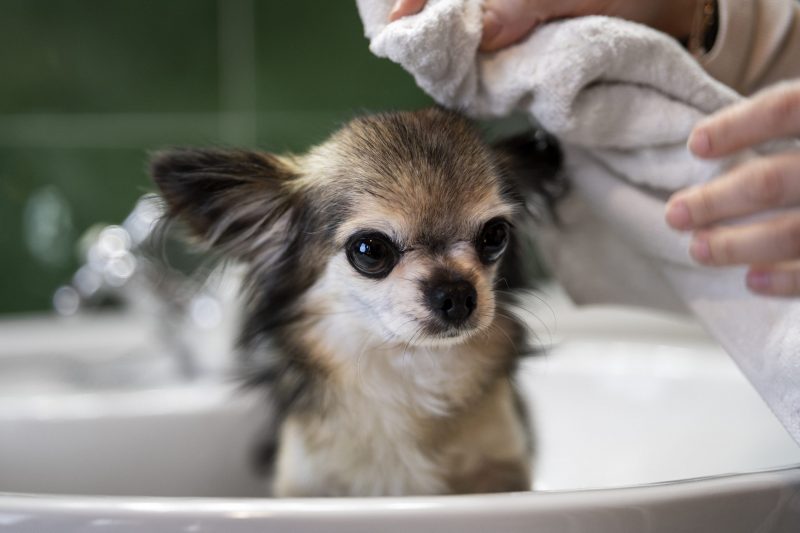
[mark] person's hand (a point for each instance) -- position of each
(507, 21)
(770, 246)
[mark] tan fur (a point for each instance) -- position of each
(378, 391)
(404, 414)
(400, 422)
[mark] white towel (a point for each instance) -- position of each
(622, 99)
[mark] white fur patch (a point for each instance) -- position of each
(366, 333)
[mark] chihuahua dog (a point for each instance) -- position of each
(374, 314)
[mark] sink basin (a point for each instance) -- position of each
(42, 355)
(643, 424)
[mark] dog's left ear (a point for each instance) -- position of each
(237, 201)
(531, 164)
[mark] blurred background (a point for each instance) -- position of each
(89, 87)
(141, 402)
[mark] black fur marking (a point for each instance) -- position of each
(532, 162)
(248, 190)
(531, 167)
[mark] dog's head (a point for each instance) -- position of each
(399, 222)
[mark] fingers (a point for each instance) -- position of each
(507, 21)
(504, 21)
(777, 239)
(771, 114)
(772, 247)
(404, 8)
(758, 185)
(782, 279)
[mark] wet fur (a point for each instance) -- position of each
(369, 405)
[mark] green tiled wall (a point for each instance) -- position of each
(87, 87)
(115, 56)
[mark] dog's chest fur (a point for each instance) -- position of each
(395, 420)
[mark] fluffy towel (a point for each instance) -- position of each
(622, 99)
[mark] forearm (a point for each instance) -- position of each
(758, 43)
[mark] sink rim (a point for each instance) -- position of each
(528, 502)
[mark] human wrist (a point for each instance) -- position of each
(676, 18)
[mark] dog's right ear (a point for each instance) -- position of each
(235, 200)
(532, 163)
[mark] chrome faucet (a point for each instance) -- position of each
(131, 268)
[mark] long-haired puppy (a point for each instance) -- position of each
(375, 316)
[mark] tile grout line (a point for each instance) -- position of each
(237, 71)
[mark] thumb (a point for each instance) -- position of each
(507, 21)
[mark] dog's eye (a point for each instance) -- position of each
(373, 255)
(492, 240)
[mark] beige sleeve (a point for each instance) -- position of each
(758, 43)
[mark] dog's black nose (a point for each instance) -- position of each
(453, 301)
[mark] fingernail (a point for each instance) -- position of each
(700, 250)
(394, 14)
(700, 142)
(491, 27)
(759, 281)
(678, 215)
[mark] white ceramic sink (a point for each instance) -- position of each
(643, 424)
